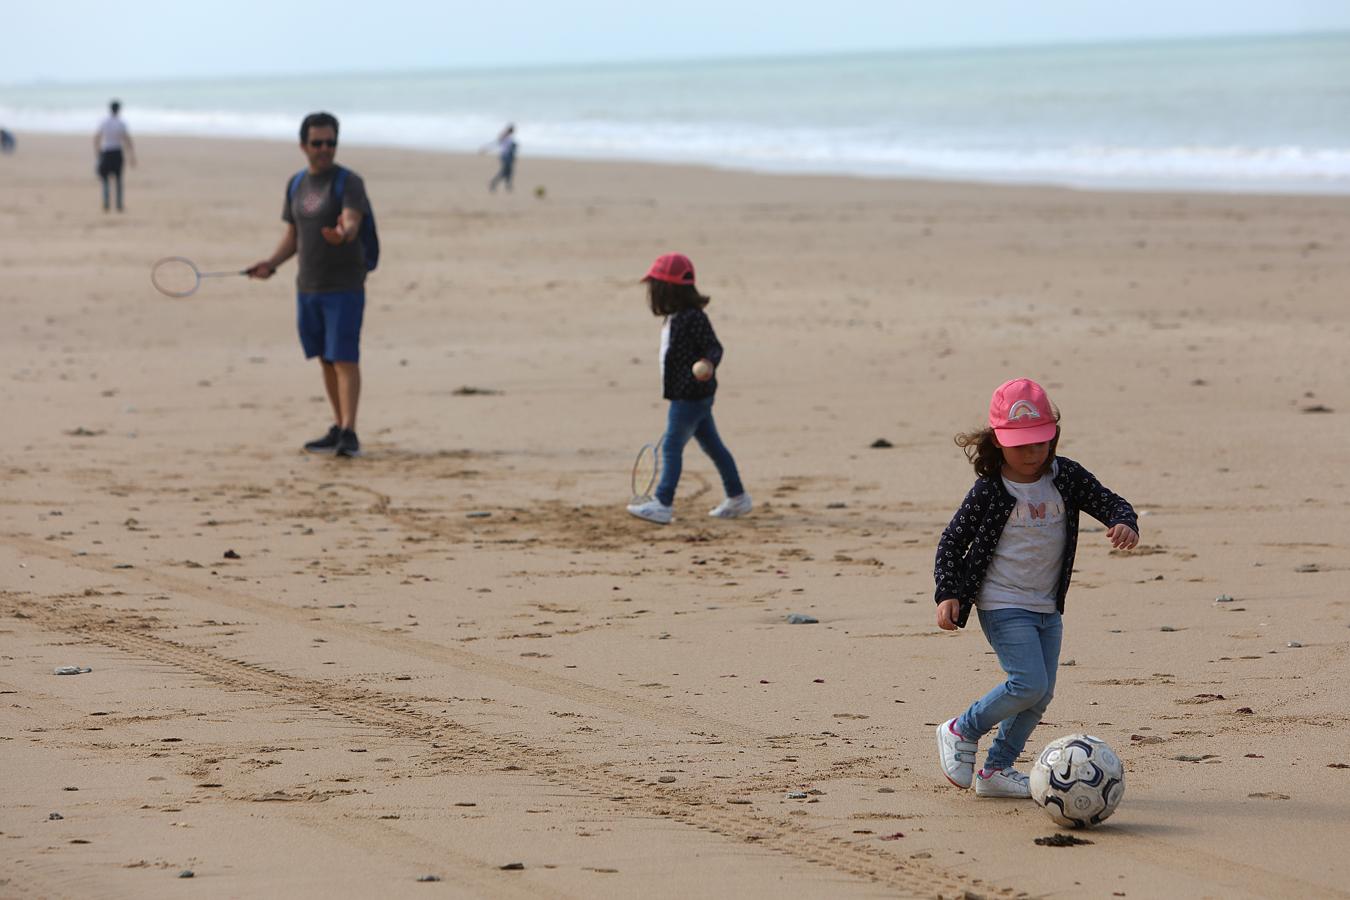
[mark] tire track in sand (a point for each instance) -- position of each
(690, 806)
(639, 708)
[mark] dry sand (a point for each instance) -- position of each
(381, 687)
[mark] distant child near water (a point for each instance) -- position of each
(1008, 552)
(690, 355)
(506, 156)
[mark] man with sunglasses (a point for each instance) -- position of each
(323, 211)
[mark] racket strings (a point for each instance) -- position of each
(175, 276)
(646, 471)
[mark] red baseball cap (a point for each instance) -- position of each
(1020, 413)
(674, 268)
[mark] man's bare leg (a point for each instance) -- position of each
(347, 376)
(330, 386)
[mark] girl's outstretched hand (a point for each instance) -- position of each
(1123, 537)
(946, 614)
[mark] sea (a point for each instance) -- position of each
(1231, 114)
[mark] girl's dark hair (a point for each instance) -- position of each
(666, 299)
(986, 456)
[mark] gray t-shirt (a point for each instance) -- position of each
(323, 266)
(1025, 570)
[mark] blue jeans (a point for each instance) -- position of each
(1027, 644)
(693, 418)
(508, 165)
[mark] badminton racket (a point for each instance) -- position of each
(177, 276)
(646, 471)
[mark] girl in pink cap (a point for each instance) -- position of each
(690, 354)
(1008, 553)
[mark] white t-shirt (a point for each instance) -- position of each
(112, 132)
(665, 347)
(1025, 570)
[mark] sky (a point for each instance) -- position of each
(107, 41)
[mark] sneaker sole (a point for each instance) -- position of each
(1001, 796)
(637, 515)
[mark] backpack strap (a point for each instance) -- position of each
(339, 183)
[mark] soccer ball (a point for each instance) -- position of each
(1078, 779)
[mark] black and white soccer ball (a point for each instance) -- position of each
(1078, 780)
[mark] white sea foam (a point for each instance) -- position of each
(1235, 115)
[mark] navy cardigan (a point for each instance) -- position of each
(969, 540)
(691, 339)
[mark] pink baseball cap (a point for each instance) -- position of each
(674, 268)
(1020, 413)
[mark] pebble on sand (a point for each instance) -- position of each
(187, 873)
(802, 619)
(881, 444)
(513, 867)
(428, 878)
(230, 554)
(71, 670)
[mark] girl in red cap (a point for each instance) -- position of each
(1008, 553)
(690, 354)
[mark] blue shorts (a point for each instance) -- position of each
(329, 323)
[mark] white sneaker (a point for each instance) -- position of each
(1003, 783)
(956, 755)
(652, 511)
(732, 507)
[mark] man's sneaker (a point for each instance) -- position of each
(347, 444)
(956, 754)
(326, 444)
(1002, 783)
(732, 507)
(652, 511)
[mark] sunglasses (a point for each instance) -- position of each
(317, 144)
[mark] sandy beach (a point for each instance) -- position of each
(459, 653)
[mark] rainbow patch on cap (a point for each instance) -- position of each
(1023, 409)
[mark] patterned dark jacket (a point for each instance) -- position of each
(691, 339)
(969, 540)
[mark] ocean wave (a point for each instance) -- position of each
(860, 151)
